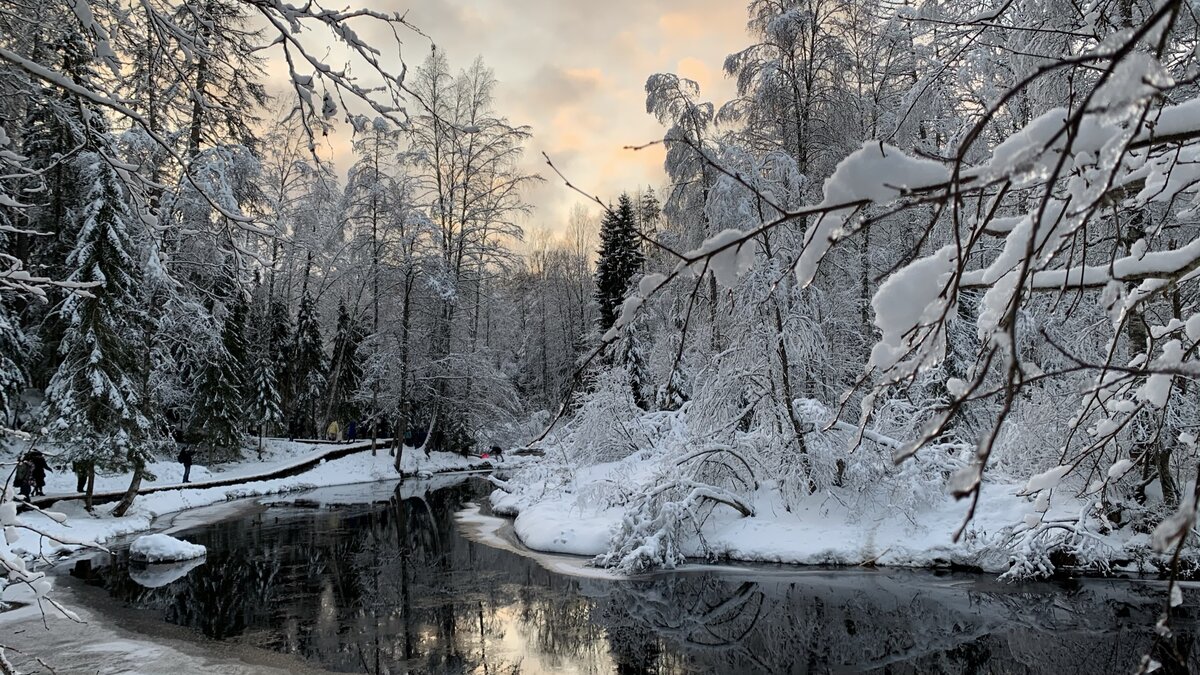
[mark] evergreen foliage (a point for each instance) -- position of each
(218, 416)
(264, 398)
(96, 400)
(278, 346)
(308, 374)
(13, 351)
(346, 366)
(620, 259)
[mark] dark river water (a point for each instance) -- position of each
(390, 585)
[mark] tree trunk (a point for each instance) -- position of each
(91, 486)
(785, 365)
(127, 501)
(402, 418)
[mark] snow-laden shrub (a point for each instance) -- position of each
(673, 505)
(608, 424)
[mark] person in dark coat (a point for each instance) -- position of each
(23, 476)
(80, 468)
(40, 467)
(185, 458)
(295, 427)
(351, 431)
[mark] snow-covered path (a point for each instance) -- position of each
(275, 465)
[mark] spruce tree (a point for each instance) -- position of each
(631, 352)
(346, 368)
(264, 397)
(308, 363)
(620, 260)
(56, 125)
(96, 404)
(12, 375)
(218, 416)
(649, 213)
(13, 349)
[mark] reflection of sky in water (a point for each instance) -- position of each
(394, 587)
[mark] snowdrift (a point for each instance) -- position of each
(154, 548)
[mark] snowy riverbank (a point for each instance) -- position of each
(679, 498)
(81, 527)
(833, 527)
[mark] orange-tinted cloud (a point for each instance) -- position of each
(575, 71)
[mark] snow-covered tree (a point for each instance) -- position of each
(13, 348)
(308, 367)
(345, 367)
(620, 260)
(465, 160)
(219, 419)
(96, 402)
(264, 398)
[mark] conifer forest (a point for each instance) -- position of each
(852, 284)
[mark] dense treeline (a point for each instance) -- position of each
(182, 267)
(958, 236)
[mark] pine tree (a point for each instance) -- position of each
(346, 368)
(13, 349)
(12, 375)
(620, 260)
(631, 352)
(96, 404)
(218, 413)
(56, 125)
(649, 213)
(264, 403)
(308, 363)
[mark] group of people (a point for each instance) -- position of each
(30, 475)
(333, 432)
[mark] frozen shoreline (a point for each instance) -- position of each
(134, 644)
(82, 528)
(98, 644)
(584, 515)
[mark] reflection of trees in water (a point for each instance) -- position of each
(223, 597)
(895, 622)
(557, 621)
(393, 588)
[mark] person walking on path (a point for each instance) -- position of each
(80, 468)
(185, 458)
(351, 431)
(23, 476)
(333, 431)
(40, 467)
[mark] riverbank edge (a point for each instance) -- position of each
(60, 541)
(1142, 564)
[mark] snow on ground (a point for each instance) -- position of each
(834, 527)
(103, 647)
(497, 533)
(82, 527)
(158, 548)
(278, 454)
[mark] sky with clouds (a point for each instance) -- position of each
(575, 72)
